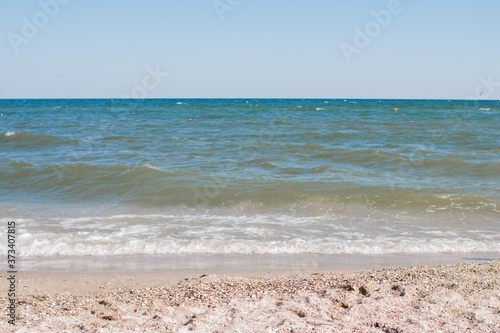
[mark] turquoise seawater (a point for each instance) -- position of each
(258, 176)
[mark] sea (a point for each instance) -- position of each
(124, 177)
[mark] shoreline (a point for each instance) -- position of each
(224, 263)
(442, 298)
(409, 298)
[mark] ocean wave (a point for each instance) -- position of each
(150, 185)
(365, 157)
(32, 140)
(226, 176)
(64, 245)
(244, 228)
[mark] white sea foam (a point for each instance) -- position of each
(10, 133)
(130, 242)
(149, 166)
(177, 233)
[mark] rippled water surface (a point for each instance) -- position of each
(114, 177)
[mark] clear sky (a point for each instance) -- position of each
(249, 48)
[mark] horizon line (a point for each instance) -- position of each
(241, 98)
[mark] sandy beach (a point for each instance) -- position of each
(462, 297)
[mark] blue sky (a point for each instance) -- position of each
(249, 48)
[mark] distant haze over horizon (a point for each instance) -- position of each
(368, 49)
